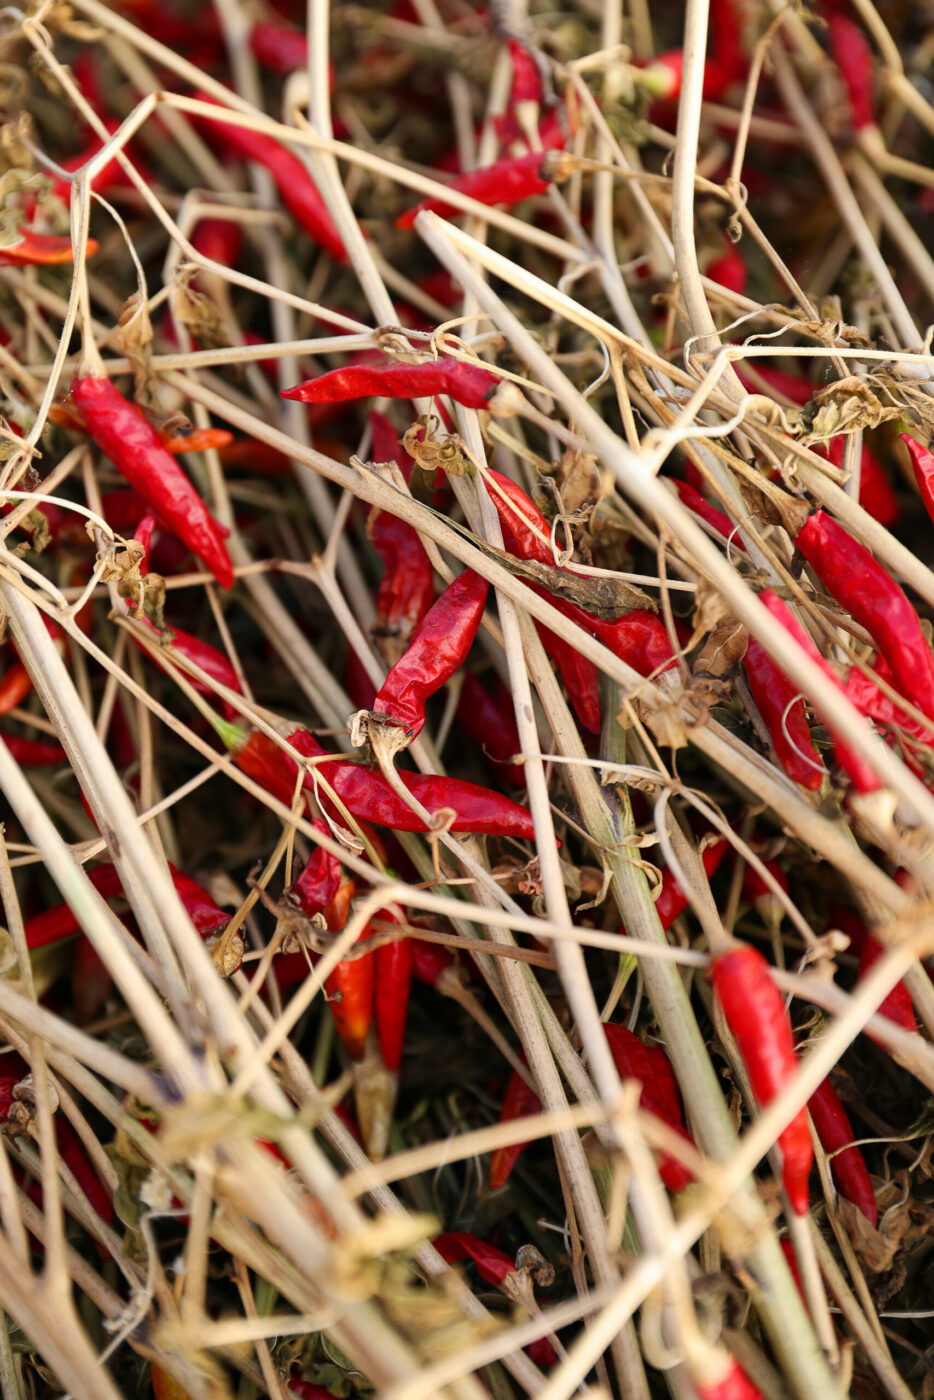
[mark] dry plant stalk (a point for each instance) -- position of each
(669, 764)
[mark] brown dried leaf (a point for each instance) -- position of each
(709, 610)
(607, 598)
(582, 482)
(667, 724)
(134, 328)
(196, 311)
(722, 652)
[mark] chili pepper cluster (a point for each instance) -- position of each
(466, 699)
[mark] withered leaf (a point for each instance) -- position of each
(607, 598)
(722, 652)
(709, 610)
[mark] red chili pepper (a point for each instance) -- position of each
(853, 57)
(61, 922)
(876, 705)
(877, 602)
(922, 464)
(220, 241)
(73, 1154)
(526, 79)
(143, 535)
(109, 175)
(134, 447)
(15, 686)
(430, 961)
(281, 48)
(367, 796)
(198, 440)
(633, 1061)
(211, 661)
(735, 1385)
(713, 516)
(407, 588)
(836, 1136)
(490, 722)
(519, 1101)
(493, 1265)
(41, 250)
(317, 885)
(897, 1004)
(664, 75)
(306, 1391)
(393, 983)
(789, 386)
(761, 896)
(468, 384)
(518, 514)
(755, 1013)
(438, 649)
(296, 188)
(875, 490)
(861, 774)
(729, 269)
(33, 753)
(784, 716)
(672, 901)
(350, 985)
(504, 182)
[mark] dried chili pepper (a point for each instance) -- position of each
(213, 662)
(922, 464)
(490, 721)
(393, 983)
(198, 440)
(493, 1265)
(366, 794)
(350, 985)
(784, 715)
(33, 753)
(504, 182)
(755, 1013)
(876, 495)
(468, 384)
(897, 1003)
(407, 588)
(298, 192)
(735, 1385)
(672, 900)
(61, 922)
(279, 47)
(861, 774)
(134, 447)
(761, 895)
(320, 879)
(846, 1161)
(872, 702)
(716, 518)
(664, 74)
(853, 56)
(41, 250)
(859, 583)
(519, 1101)
(305, 1390)
(430, 961)
(438, 649)
(15, 686)
(729, 269)
(633, 1061)
(526, 79)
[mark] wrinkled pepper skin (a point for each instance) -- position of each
(136, 450)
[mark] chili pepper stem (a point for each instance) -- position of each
(368, 727)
